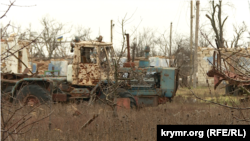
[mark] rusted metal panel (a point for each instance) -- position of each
(80, 92)
(129, 64)
(128, 48)
(59, 97)
(233, 75)
(162, 100)
(122, 103)
(74, 95)
(89, 73)
(84, 73)
(168, 82)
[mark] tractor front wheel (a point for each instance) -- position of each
(32, 95)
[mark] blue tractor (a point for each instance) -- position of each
(145, 84)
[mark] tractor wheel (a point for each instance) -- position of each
(125, 94)
(32, 94)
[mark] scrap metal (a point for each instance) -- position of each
(230, 70)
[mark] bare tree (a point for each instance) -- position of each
(217, 23)
(82, 32)
(208, 32)
(114, 74)
(163, 44)
(14, 120)
(6, 11)
(238, 31)
(146, 37)
(53, 29)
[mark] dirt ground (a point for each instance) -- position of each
(67, 119)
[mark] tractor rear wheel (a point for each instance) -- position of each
(32, 94)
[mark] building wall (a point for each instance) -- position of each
(10, 64)
(204, 66)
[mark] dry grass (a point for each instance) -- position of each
(129, 125)
(211, 95)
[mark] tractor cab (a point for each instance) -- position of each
(91, 61)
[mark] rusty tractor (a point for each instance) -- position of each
(93, 66)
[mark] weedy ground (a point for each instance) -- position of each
(131, 125)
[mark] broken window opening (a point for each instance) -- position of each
(105, 57)
(86, 53)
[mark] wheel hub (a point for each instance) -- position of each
(31, 101)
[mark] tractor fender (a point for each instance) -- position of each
(29, 80)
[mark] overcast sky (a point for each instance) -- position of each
(96, 14)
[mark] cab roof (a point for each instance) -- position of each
(93, 43)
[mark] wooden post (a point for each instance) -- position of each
(111, 32)
(170, 45)
(1, 34)
(196, 40)
(191, 42)
(133, 54)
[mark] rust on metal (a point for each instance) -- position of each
(166, 75)
(129, 64)
(91, 62)
(79, 95)
(229, 75)
(31, 100)
(122, 103)
(162, 100)
(59, 97)
(65, 87)
(128, 59)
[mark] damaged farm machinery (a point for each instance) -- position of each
(231, 66)
(93, 72)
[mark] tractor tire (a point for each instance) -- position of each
(125, 94)
(32, 94)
